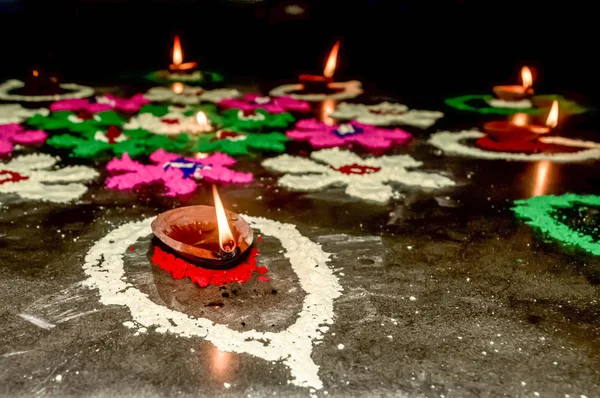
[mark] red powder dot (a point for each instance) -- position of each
(179, 269)
(259, 239)
(131, 248)
(262, 270)
(263, 279)
(11, 176)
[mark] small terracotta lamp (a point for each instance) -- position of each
(208, 235)
(518, 129)
(515, 92)
(178, 66)
(320, 84)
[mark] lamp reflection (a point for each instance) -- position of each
(220, 366)
(542, 178)
(327, 107)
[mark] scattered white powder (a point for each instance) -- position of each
(43, 182)
(227, 385)
(350, 89)
(104, 269)
(452, 143)
(155, 124)
(58, 378)
(73, 91)
(340, 346)
(372, 185)
(413, 298)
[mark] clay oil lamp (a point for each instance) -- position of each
(519, 129)
(178, 66)
(40, 82)
(516, 92)
(318, 83)
(211, 236)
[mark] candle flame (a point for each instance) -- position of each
(552, 120)
(177, 88)
(226, 241)
(177, 52)
(331, 61)
(526, 77)
(520, 119)
(35, 73)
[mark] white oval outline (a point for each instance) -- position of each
(450, 142)
(104, 268)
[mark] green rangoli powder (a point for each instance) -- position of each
(560, 218)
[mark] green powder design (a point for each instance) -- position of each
(477, 103)
(208, 78)
(553, 215)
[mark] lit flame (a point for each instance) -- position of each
(526, 77)
(177, 88)
(331, 61)
(552, 120)
(520, 119)
(177, 52)
(36, 73)
(226, 241)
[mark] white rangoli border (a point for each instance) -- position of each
(75, 91)
(104, 268)
(351, 89)
(450, 142)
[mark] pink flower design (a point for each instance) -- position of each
(270, 104)
(104, 103)
(13, 133)
(321, 135)
(177, 173)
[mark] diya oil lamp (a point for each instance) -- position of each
(320, 84)
(40, 82)
(516, 92)
(178, 66)
(519, 129)
(209, 235)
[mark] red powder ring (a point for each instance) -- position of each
(523, 146)
(179, 269)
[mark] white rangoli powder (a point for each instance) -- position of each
(74, 91)
(386, 113)
(190, 95)
(500, 103)
(16, 113)
(163, 125)
(366, 179)
(104, 269)
(350, 89)
(33, 177)
(452, 143)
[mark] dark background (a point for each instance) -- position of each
(419, 48)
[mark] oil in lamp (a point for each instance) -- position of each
(516, 92)
(320, 84)
(178, 66)
(208, 235)
(518, 129)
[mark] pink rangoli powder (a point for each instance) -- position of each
(178, 174)
(13, 133)
(321, 135)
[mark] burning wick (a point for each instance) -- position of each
(315, 83)
(519, 129)
(177, 88)
(226, 241)
(517, 93)
(178, 65)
